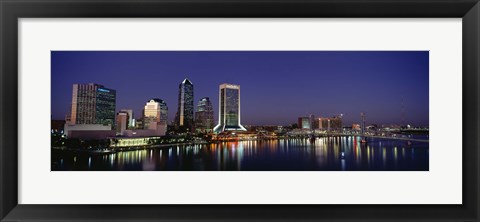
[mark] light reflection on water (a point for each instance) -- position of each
(283, 154)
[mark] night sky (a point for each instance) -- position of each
(277, 87)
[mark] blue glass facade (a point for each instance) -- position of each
(229, 109)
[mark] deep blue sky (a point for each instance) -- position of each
(276, 86)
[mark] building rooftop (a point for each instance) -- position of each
(187, 81)
(156, 100)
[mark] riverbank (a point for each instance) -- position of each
(119, 149)
(110, 150)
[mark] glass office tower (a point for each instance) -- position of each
(204, 116)
(229, 109)
(93, 104)
(184, 115)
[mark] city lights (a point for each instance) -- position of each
(214, 120)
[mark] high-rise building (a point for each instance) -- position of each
(93, 104)
(229, 109)
(204, 116)
(313, 123)
(131, 123)
(155, 113)
(362, 115)
(122, 122)
(184, 115)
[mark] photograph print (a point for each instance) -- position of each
(239, 110)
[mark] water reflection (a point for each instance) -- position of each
(328, 153)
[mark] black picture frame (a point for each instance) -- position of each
(12, 10)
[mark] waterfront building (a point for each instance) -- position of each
(204, 116)
(304, 123)
(323, 123)
(336, 123)
(121, 142)
(356, 126)
(313, 122)
(122, 122)
(229, 109)
(362, 115)
(88, 131)
(184, 116)
(155, 115)
(131, 120)
(330, 124)
(92, 104)
(155, 131)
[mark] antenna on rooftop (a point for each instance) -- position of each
(403, 112)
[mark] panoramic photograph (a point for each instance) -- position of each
(239, 110)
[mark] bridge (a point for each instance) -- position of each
(380, 137)
(396, 138)
(368, 136)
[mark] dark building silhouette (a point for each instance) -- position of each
(57, 126)
(184, 116)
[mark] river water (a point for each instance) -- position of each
(342, 153)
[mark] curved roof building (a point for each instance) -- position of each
(229, 109)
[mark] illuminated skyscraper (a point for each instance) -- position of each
(204, 116)
(229, 109)
(93, 104)
(184, 115)
(155, 113)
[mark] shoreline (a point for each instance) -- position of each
(111, 150)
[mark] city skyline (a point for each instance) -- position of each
(322, 83)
